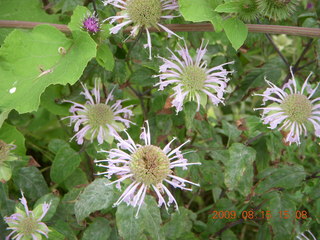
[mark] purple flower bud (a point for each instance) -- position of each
(91, 24)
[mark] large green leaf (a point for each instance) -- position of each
(64, 164)
(205, 12)
(148, 221)
(31, 61)
(283, 177)
(96, 196)
(31, 182)
(239, 166)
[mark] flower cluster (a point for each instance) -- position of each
(291, 108)
(148, 167)
(27, 224)
(99, 119)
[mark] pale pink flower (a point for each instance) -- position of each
(142, 14)
(98, 119)
(192, 79)
(306, 235)
(148, 167)
(27, 224)
(291, 108)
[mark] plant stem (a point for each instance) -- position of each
(277, 50)
(196, 27)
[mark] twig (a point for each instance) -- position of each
(197, 27)
(140, 96)
(295, 68)
(130, 49)
(313, 175)
(277, 50)
(251, 140)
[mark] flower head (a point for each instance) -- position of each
(192, 79)
(291, 108)
(148, 166)
(142, 14)
(99, 119)
(27, 224)
(91, 24)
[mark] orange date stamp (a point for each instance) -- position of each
(250, 214)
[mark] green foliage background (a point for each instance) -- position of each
(245, 165)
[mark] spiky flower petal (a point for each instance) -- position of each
(27, 224)
(306, 235)
(142, 14)
(192, 79)
(277, 9)
(99, 119)
(292, 109)
(148, 166)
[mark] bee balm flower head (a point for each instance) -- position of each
(27, 224)
(291, 108)
(148, 166)
(99, 119)
(192, 79)
(142, 14)
(91, 24)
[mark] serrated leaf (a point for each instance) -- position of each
(236, 31)
(31, 182)
(9, 134)
(31, 61)
(285, 177)
(96, 196)
(241, 158)
(64, 164)
(148, 221)
(99, 229)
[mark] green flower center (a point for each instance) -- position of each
(297, 107)
(193, 78)
(150, 165)
(28, 226)
(144, 12)
(99, 114)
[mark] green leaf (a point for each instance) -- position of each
(148, 221)
(105, 57)
(283, 177)
(190, 110)
(31, 182)
(236, 31)
(3, 116)
(49, 198)
(238, 166)
(78, 177)
(96, 196)
(229, 7)
(180, 223)
(64, 164)
(55, 235)
(55, 145)
(9, 134)
(205, 12)
(77, 18)
(5, 172)
(46, 57)
(52, 98)
(282, 210)
(99, 229)
(6, 205)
